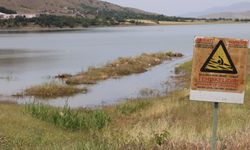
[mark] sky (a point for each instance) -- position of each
(174, 7)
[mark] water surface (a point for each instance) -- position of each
(31, 58)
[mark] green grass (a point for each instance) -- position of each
(120, 67)
(171, 122)
(69, 119)
(52, 90)
(184, 68)
(132, 107)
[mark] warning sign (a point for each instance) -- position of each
(219, 61)
(219, 69)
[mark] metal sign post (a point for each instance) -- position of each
(215, 125)
(219, 73)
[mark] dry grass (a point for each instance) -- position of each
(119, 68)
(52, 90)
(171, 122)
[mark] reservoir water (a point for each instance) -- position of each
(28, 59)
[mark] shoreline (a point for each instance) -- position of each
(150, 23)
(40, 29)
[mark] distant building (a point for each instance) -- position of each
(12, 16)
(1, 15)
(4, 16)
(29, 15)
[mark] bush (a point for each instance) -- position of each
(161, 138)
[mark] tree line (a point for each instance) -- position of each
(52, 21)
(7, 11)
(100, 17)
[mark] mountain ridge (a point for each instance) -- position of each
(231, 15)
(239, 7)
(66, 7)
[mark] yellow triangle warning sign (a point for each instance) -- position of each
(219, 61)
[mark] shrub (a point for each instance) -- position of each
(161, 138)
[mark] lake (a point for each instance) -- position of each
(32, 58)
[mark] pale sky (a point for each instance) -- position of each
(174, 7)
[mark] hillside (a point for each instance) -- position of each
(235, 10)
(85, 8)
(75, 13)
(233, 15)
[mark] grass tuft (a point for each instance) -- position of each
(132, 107)
(183, 74)
(52, 90)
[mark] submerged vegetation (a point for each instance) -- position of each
(120, 67)
(52, 90)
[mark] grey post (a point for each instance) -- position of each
(215, 124)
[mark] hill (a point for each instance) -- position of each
(239, 9)
(233, 15)
(76, 13)
(86, 8)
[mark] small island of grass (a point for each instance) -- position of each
(52, 90)
(120, 67)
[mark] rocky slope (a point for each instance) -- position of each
(66, 7)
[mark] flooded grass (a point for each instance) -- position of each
(182, 75)
(116, 69)
(120, 67)
(52, 90)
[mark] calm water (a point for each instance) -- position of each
(31, 58)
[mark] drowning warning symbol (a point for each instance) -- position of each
(219, 61)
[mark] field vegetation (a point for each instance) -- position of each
(169, 122)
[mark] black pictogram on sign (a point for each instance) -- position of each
(219, 61)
